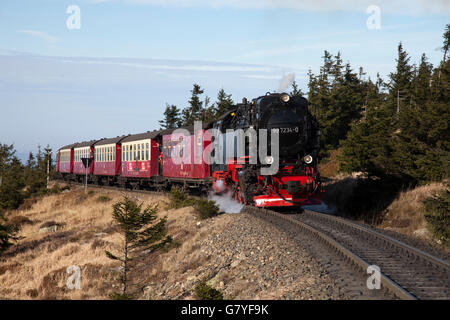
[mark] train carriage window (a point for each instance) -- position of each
(164, 149)
(199, 146)
(175, 149)
(172, 150)
(184, 148)
(147, 152)
(168, 148)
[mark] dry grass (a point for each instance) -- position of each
(36, 266)
(406, 213)
(329, 166)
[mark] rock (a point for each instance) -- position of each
(52, 228)
(423, 233)
(235, 263)
(100, 234)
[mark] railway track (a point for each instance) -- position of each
(406, 272)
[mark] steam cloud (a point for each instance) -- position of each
(286, 81)
(225, 202)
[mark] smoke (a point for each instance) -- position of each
(286, 81)
(226, 203)
(220, 185)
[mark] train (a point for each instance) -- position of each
(262, 152)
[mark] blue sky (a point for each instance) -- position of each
(130, 57)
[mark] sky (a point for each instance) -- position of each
(79, 70)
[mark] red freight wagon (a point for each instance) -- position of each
(183, 154)
(140, 155)
(107, 157)
(83, 150)
(65, 159)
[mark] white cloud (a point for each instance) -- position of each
(182, 67)
(40, 34)
(401, 7)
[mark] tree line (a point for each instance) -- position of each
(198, 109)
(397, 127)
(20, 181)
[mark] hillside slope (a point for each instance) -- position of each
(243, 257)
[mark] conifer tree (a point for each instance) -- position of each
(8, 233)
(296, 91)
(223, 104)
(141, 236)
(6, 155)
(171, 117)
(195, 109)
(11, 190)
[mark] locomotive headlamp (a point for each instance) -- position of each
(285, 97)
(308, 159)
(269, 159)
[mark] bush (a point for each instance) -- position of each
(120, 296)
(18, 221)
(7, 233)
(206, 208)
(438, 216)
(371, 196)
(203, 291)
(102, 199)
(179, 199)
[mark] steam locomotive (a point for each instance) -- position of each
(296, 180)
(263, 153)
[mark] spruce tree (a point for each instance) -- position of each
(223, 104)
(195, 109)
(171, 117)
(6, 155)
(296, 91)
(11, 190)
(141, 237)
(8, 233)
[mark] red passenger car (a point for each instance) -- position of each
(183, 155)
(107, 157)
(140, 155)
(65, 160)
(83, 150)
